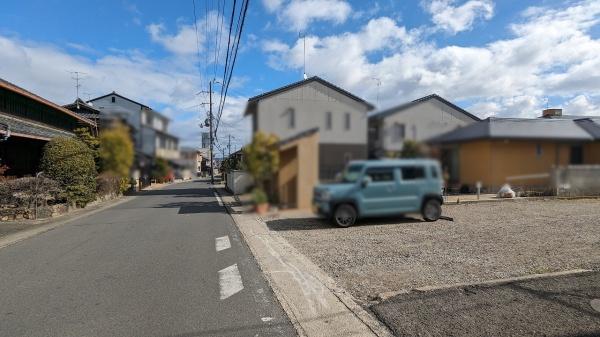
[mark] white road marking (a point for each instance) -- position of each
(222, 243)
(219, 200)
(230, 281)
(267, 319)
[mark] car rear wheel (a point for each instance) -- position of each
(432, 210)
(344, 215)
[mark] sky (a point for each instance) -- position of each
(508, 58)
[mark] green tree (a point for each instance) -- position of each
(161, 170)
(412, 149)
(116, 151)
(91, 141)
(70, 162)
(262, 158)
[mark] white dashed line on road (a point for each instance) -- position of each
(222, 243)
(219, 200)
(230, 281)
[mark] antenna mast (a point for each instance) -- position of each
(302, 35)
(77, 78)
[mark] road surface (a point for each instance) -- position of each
(169, 262)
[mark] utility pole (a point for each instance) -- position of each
(229, 146)
(210, 122)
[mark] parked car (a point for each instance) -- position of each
(376, 188)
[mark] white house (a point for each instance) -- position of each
(418, 120)
(313, 103)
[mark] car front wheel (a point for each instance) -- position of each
(344, 215)
(432, 210)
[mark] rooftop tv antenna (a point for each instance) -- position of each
(77, 77)
(302, 36)
(378, 85)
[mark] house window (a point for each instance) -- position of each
(328, 120)
(576, 155)
(347, 121)
(399, 132)
(113, 99)
(539, 151)
(291, 118)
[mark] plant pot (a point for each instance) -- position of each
(261, 208)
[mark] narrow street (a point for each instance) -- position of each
(169, 262)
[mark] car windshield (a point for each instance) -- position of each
(351, 173)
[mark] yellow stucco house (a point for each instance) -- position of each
(518, 151)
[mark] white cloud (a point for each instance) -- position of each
(582, 105)
(297, 15)
(551, 53)
(168, 83)
(272, 5)
(454, 19)
(183, 43)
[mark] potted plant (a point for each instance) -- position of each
(261, 202)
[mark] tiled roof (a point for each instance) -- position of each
(308, 80)
(14, 88)
(404, 106)
(518, 128)
(25, 128)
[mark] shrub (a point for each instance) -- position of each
(262, 158)
(259, 196)
(161, 171)
(413, 149)
(91, 141)
(116, 151)
(108, 184)
(71, 163)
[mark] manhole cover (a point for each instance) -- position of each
(595, 303)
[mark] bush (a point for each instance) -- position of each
(116, 151)
(25, 192)
(262, 158)
(259, 196)
(161, 171)
(413, 149)
(71, 163)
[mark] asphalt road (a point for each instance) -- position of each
(169, 262)
(558, 306)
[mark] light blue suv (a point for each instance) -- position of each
(375, 188)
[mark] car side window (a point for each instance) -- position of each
(381, 174)
(412, 172)
(434, 172)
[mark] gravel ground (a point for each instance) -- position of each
(486, 241)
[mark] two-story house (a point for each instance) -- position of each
(314, 103)
(27, 123)
(418, 120)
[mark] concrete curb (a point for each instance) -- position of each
(327, 309)
(517, 199)
(387, 295)
(28, 233)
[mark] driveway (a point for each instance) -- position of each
(486, 241)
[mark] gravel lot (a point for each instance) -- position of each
(486, 241)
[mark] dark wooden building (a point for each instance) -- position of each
(27, 123)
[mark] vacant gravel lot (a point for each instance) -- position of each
(485, 241)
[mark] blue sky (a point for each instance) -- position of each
(494, 58)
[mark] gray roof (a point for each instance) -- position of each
(305, 81)
(591, 125)
(517, 128)
(32, 129)
(398, 108)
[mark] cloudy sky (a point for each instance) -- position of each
(493, 58)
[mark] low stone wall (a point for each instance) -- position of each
(16, 214)
(238, 182)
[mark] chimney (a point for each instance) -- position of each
(549, 113)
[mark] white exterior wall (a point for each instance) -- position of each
(422, 121)
(310, 103)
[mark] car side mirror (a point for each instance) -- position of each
(365, 181)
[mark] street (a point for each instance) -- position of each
(169, 262)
